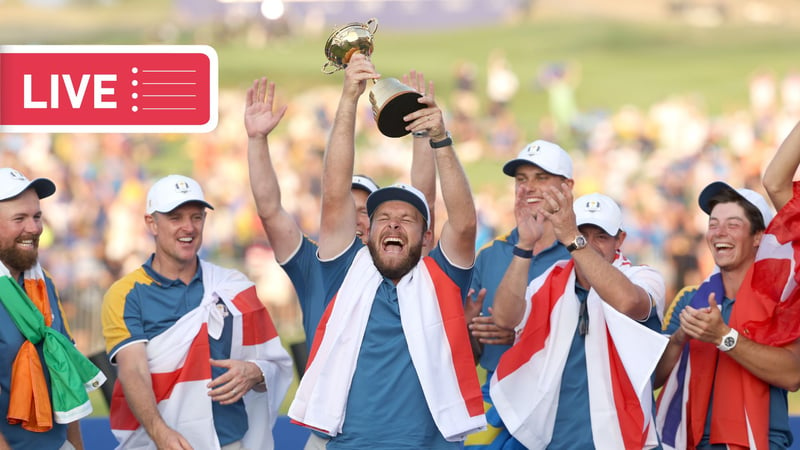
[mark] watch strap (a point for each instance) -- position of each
(578, 243)
(522, 253)
(729, 341)
(447, 141)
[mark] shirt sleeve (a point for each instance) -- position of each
(672, 320)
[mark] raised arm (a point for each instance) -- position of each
(591, 268)
(781, 169)
(423, 164)
(259, 120)
(509, 298)
(338, 220)
(458, 233)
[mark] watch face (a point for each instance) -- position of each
(580, 242)
(729, 341)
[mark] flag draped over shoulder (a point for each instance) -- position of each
(432, 318)
(72, 375)
(180, 370)
(624, 353)
(767, 311)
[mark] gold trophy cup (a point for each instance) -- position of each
(391, 99)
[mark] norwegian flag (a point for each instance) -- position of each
(766, 311)
(180, 370)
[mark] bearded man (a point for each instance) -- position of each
(391, 364)
(43, 377)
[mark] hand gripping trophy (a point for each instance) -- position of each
(391, 99)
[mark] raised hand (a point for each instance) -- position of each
(359, 69)
(530, 223)
(259, 117)
(430, 118)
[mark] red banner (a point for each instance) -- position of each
(108, 88)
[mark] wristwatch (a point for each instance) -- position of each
(578, 243)
(448, 140)
(729, 341)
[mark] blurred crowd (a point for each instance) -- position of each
(652, 159)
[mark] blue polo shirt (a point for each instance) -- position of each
(780, 435)
(386, 407)
(303, 269)
(572, 427)
(10, 342)
(144, 304)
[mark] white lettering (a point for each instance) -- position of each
(76, 98)
(27, 94)
(99, 91)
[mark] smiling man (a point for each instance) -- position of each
(199, 362)
(722, 388)
(39, 410)
(538, 166)
(391, 365)
(578, 375)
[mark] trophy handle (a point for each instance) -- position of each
(372, 25)
(329, 68)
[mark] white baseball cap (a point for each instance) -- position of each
(172, 191)
(550, 157)
(13, 183)
(752, 197)
(402, 192)
(598, 210)
(364, 183)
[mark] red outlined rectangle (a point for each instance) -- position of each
(108, 88)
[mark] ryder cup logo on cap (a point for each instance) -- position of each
(364, 183)
(13, 183)
(752, 197)
(172, 191)
(401, 192)
(598, 210)
(548, 156)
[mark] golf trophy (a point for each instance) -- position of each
(391, 99)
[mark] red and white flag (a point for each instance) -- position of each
(766, 311)
(621, 356)
(180, 370)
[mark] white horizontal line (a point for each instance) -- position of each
(169, 109)
(169, 70)
(169, 83)
(169, 95)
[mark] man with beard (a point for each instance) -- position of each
(39, 410)
(294, 250)
(391, 365)
(200, 363)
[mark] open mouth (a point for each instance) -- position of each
(393, 245)
(723, 247)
